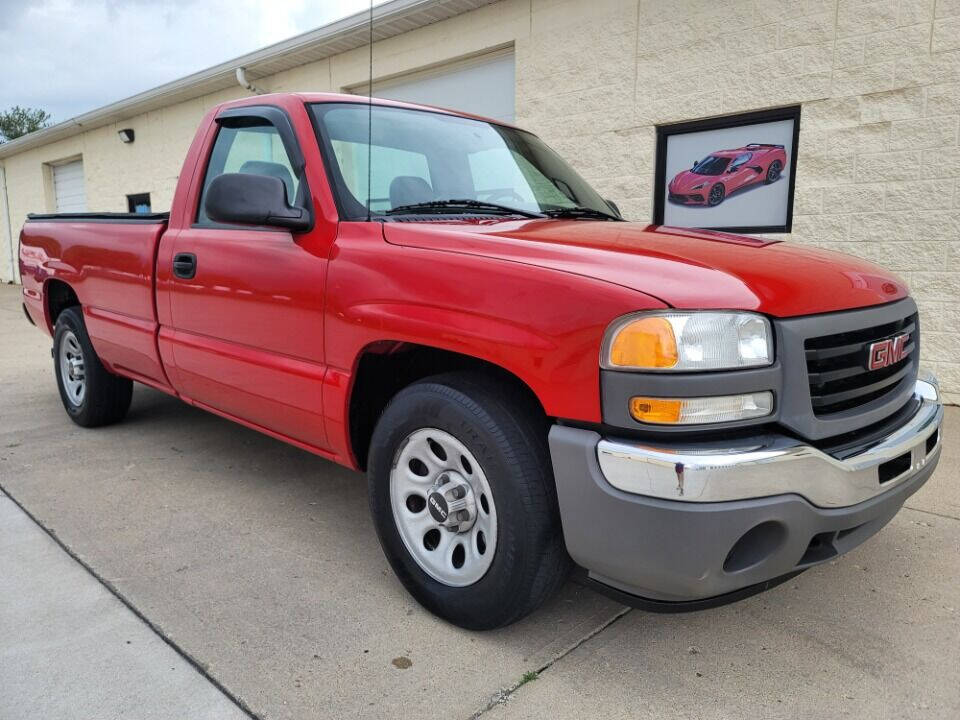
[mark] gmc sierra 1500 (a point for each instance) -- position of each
(439, 300)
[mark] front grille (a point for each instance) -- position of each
(837, 366)
(856, 441)
(696, 197)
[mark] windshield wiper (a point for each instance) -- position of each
(463, 203)
(580, 212)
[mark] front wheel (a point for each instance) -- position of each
(462, 497)
(91, 395)
(717, 193)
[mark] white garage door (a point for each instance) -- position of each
(484, 86)
(68, 187)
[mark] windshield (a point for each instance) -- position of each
(711, 165)
(419, 156)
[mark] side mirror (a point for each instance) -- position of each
(614, 207)
(247, 199)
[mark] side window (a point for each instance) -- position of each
(254, 149)
(740, 161)
(398, 177)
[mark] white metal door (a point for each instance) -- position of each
(483, 86)
(68, 187)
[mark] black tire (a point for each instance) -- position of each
(717, 193)
(508, 437)
(106, 397)
(773, 172)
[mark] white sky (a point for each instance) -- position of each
(71, 56)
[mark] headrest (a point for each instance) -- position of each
(409, 190)
(270, 169)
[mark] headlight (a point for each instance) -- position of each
(699, 411)
(697, 187)
(687, 341)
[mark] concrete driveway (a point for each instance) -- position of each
(258, 563)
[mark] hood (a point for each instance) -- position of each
(692, 269)
(684, 182)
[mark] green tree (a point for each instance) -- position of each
(19, 121)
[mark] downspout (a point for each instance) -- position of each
(9, 225)
(246, 84)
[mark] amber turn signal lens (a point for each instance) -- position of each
(645, 343)
(656, 410)
(694, 411)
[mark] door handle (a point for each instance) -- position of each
(185, 265)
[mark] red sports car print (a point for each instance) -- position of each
(724, 172)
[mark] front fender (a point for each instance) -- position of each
(543, 325)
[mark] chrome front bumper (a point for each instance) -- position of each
(776, 464)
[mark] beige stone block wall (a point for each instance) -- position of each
(878, 168)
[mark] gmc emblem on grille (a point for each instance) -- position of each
(884, 353)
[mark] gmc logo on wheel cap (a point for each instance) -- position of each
(438, 507)
(887, 352)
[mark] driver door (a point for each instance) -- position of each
(245, 304)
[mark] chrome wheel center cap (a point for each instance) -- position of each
(452, 503)
(76, 368)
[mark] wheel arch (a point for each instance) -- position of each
(58, 295)
(383, 368)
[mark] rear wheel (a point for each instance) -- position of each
(773, 172)
(91, 395)
(717, 193)
(462, 497)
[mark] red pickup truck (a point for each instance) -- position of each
(530, 383)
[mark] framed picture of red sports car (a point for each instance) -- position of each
(734, 173)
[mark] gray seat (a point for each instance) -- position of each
(409, 190)
(270, 169)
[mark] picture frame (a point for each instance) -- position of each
(739, 153)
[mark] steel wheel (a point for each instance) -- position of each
(461, 495)
(443, 507)
(716, 194)
(91, 395)
(773, 172)
(72, 368)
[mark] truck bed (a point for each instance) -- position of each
(108, 261)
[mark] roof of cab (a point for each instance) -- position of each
(316, 97)
(347, 98)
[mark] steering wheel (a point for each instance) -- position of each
(507, 194)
